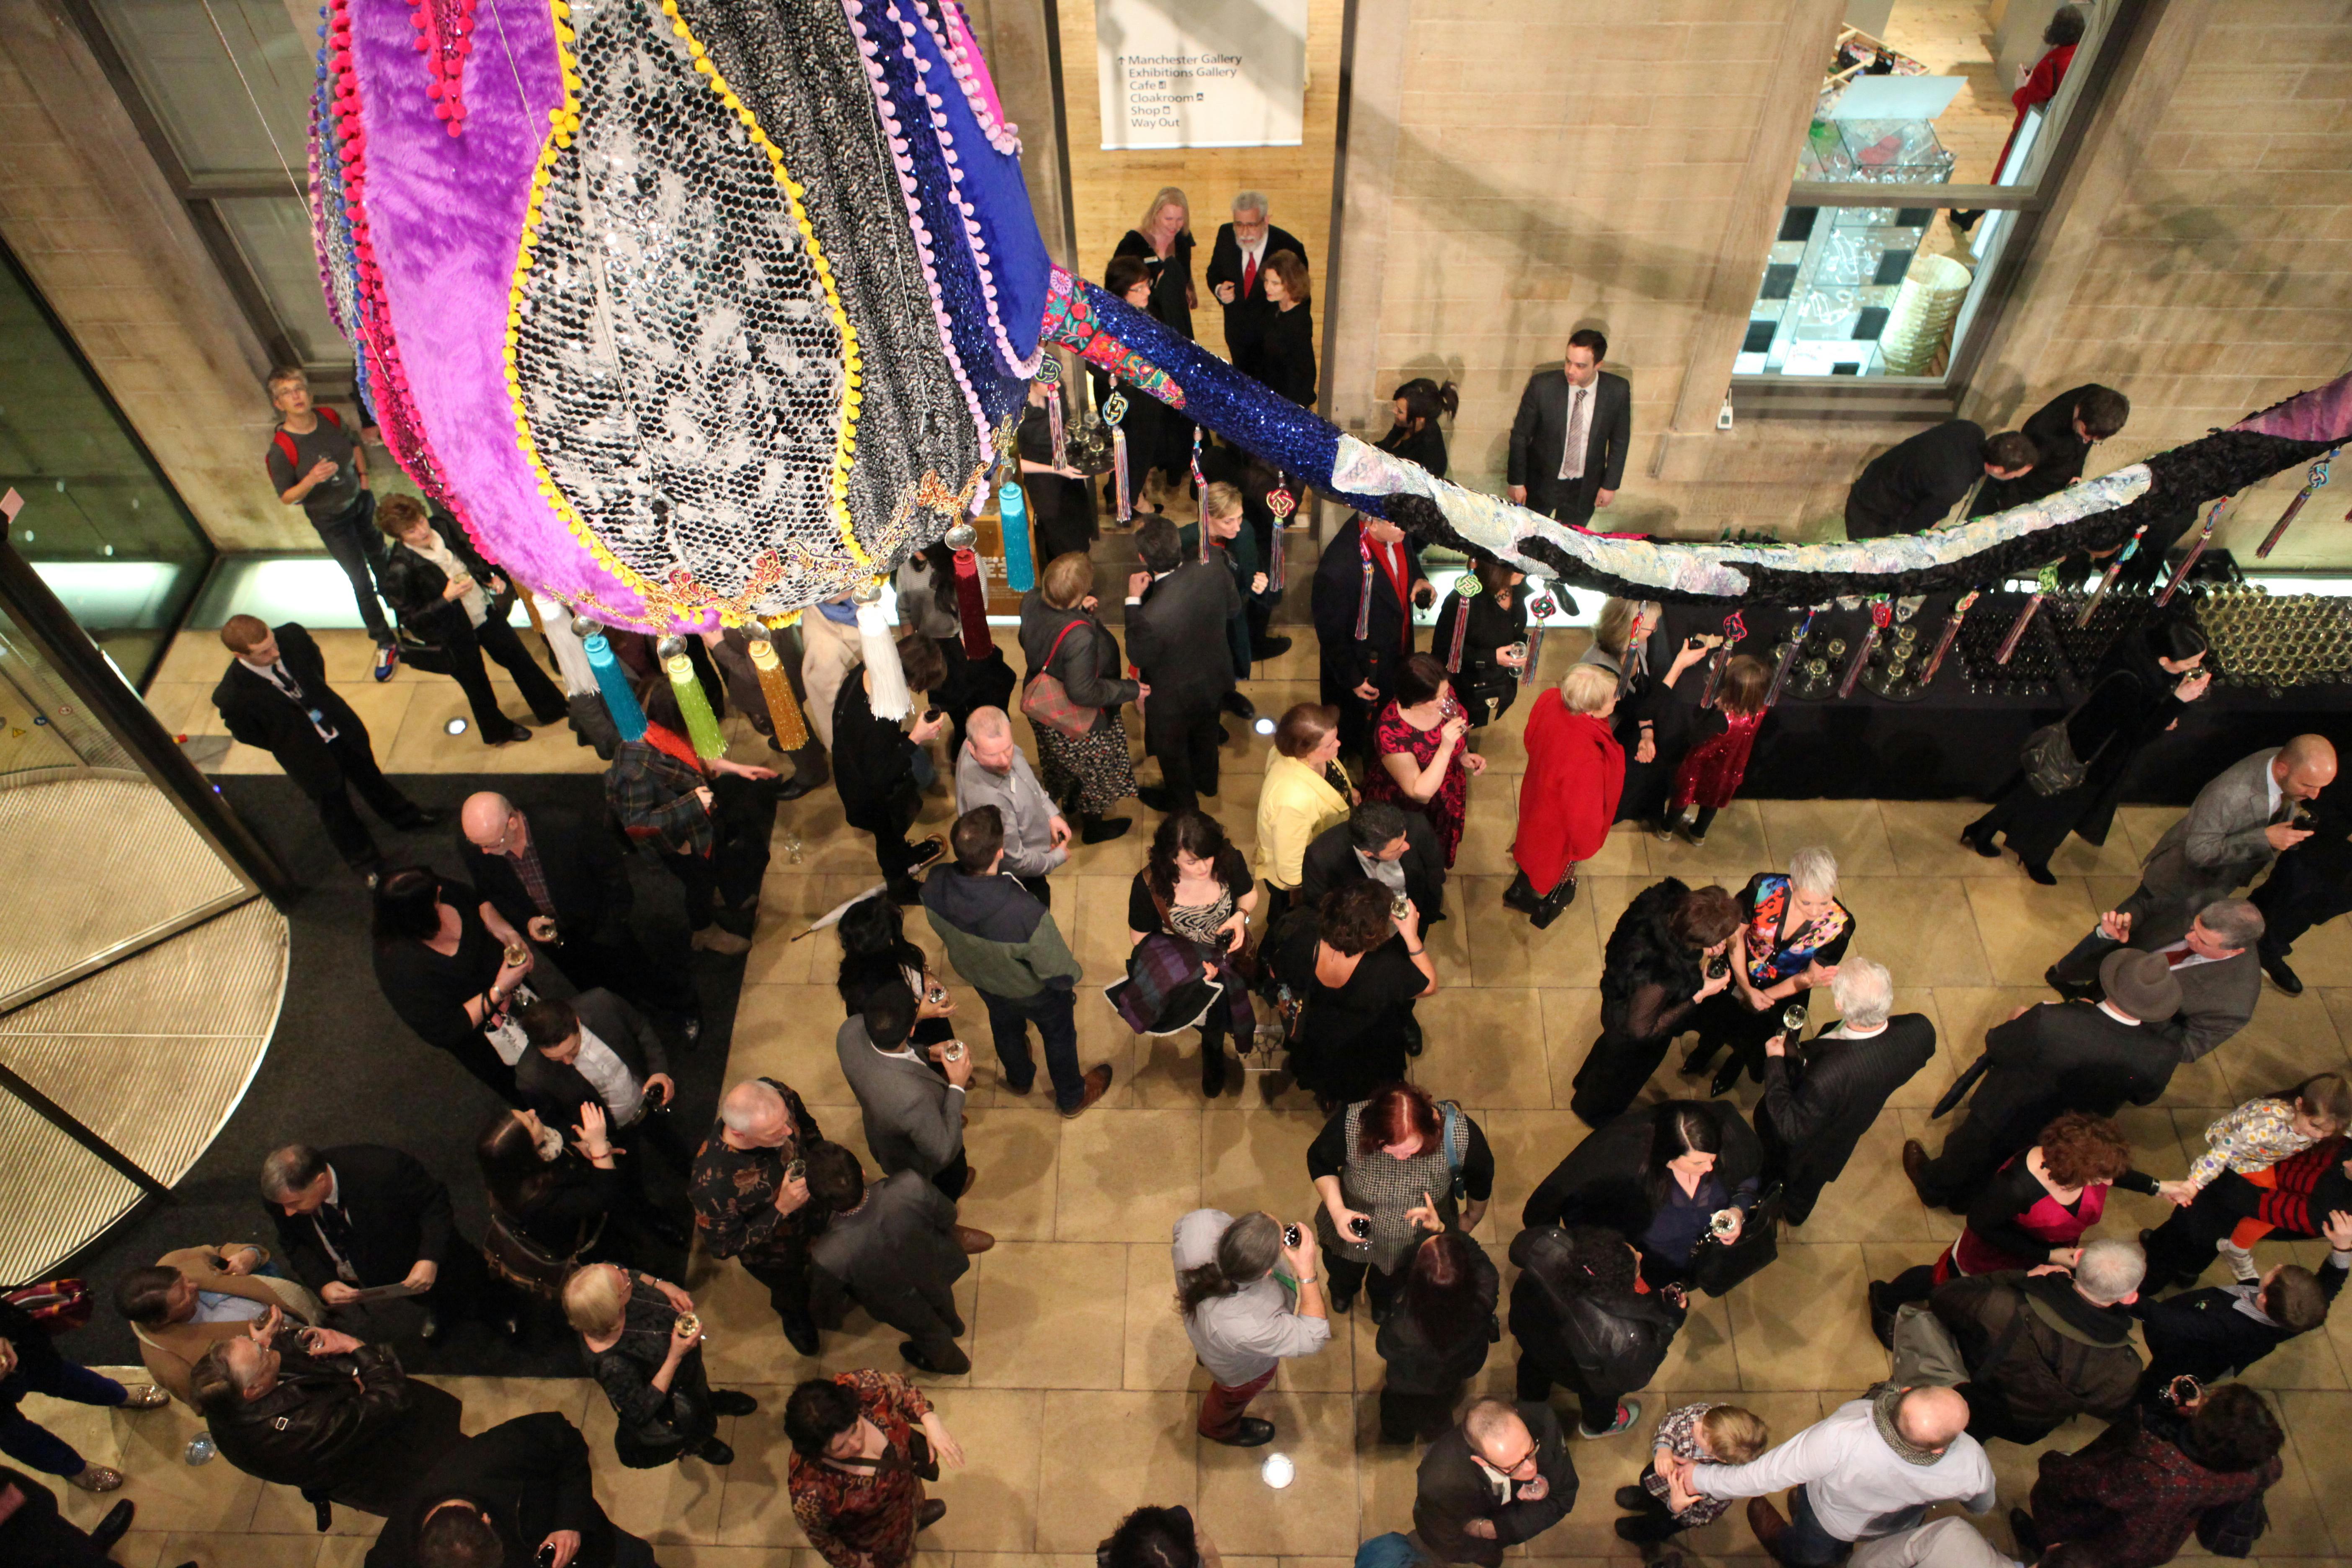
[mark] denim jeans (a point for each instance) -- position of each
(1055, 1015)
(356, 545)
(1806, 1544)
(24, 1440)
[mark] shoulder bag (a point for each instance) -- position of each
(2049, 760)
(1715, 1268)
(1046, 701)
(527, 1266)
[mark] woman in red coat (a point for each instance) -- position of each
(1576, 771)
(2061, 39)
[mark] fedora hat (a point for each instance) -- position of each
(2140, 984)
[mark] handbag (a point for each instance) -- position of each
(1046, 701)
(1926, 1354)
(682, 1422)
(1716, 1267)
(527, 1266)
(2231, 1529)
(2049, 760)
(59, 1306)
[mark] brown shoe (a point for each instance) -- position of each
(1097, 1085)
(973, 1241)
(719, 939)
(1915, 1165)
(1766, 1522)
(930, 1513)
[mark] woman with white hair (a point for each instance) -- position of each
(1792, 932)
(1821, 1100)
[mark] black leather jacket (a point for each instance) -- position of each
(330, 1424)
(413, 586)
(1614, 1340)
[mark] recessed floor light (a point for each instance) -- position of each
(454, 726)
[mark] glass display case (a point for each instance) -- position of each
(1874, 152)
(1830, 287)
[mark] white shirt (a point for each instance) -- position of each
(2191, 959)
(2271, 791)
(218, 1307)
(477, 609)
(1578, 435)
(1858, 1486)
(2109, 1009)
(609, 1076)
(1253, 252)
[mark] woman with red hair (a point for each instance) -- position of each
(1576, 771)
(1389, 1168)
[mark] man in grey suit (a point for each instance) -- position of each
(892, 1249)
(2237, 825)
(914, 1117)
(1176, 615)
(1570, 439)
(2215, 964)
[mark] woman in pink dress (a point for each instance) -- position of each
(1711, 771)
(1422, 759)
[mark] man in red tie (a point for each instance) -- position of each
(2216, 965)
(1236, 267)
(1365, 590)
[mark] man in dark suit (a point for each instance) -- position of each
(893, 1248)
(1379, 839)
(598, 1048)
(1570, 439)
(1176, 615)
(1236, 275)
(323, 1413)
(2049, 1060)
(2062, 430)
(520, 1493)
(2310, 883)
(2218, 1331)
(2215, 965)
(559, 877)
(361, 1215)
(1818, 1104)
(1501, 1478)
(276, 696)
(1909, 487)
(1370, 577)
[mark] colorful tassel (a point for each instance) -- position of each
(1788, 657)
(783, 708)
(1282, 503)
(2316, 478)
(1056, 427)
(2042, 589)
(1951, 634)
(1539, 605)
(1020, 559)
(1466, 588)
(621, 703)
(972, 590)
(1119, 472)
(2205, 537)
(693, 703)
(1364, 596)
(890, 698)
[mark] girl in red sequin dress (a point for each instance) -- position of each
(1710, 772)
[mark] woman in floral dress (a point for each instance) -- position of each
(1421, 755)
(854, 1478)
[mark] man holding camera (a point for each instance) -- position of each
(1251, 1299)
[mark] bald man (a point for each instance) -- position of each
(559, 877)
(1872, 1467)
(991, 770)
(2239, 823)
(1501, 1478)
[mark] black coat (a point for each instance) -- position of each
(1420, 1363)
(1330, 864)
(2202, 1334)
(1647, 978)
(555, 1090)
(1245, 318)
(1171, 279)
(1176, 638)
(1612, 1340)
(1453, 1490)
(1388, 636)
(399, 1213)
(2059, 463)
(412, 586)
(1425, 445)
(364, 1442)
(872, 762)
(1286, 355)
(1539, 431)
(585, 875)
(1599, 1183)
(1910, 486)
(2039, 1354)
(1812, 1118)
(530, 1475)
(257, 713)
(2062, 1056)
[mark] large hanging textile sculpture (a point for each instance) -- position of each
(698, 313)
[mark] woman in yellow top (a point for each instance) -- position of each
(1305, 792)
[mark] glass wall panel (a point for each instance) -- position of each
(274, 233)
(100, 520)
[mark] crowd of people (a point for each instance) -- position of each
(1304, 961)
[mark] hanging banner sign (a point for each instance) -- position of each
(1200, 73)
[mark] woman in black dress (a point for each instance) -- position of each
(561, 1197)
(1657, 1176)
(1366, 968)
(1196, 888)
(1493, 644)
(881, 770)
(1163, 243)
(1157, 436)
(1415, 436)
(1061, 503)
(643, 1341)
(1287, 353)
(875, 952)
(1668, 954)
(2146, 683)
(1436, 1339)
(450, 965)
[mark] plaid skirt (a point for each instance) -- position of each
(1094, 767)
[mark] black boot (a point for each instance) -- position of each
(1094, 829)
(1521, 895)
(1213, 1070)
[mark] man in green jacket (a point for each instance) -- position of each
(1004, 942)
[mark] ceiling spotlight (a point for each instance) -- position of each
(1278, 1471)
(1263, 725)
(454, 726)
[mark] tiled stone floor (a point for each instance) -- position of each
(1079, 1403)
